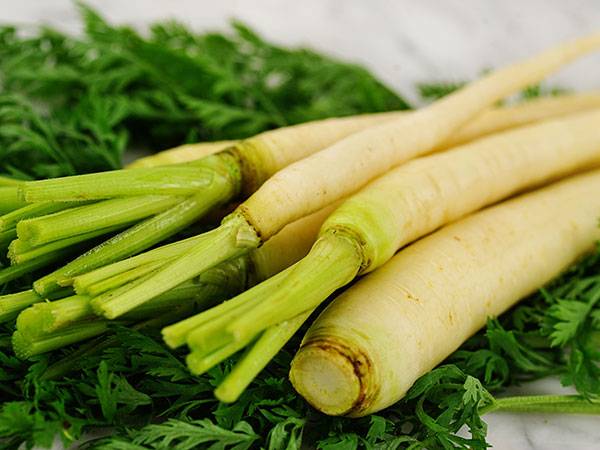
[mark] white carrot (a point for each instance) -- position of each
(342, 168)
(499, 119)
(370, 345)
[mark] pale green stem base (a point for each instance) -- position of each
(232, 239)
(257, 357)
(332, 263)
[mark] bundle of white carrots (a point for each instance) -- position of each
(291, 173)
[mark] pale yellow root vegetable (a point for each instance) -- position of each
(369, 346)
(503, 118)
(342, 168)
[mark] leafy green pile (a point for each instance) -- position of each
(73, 104)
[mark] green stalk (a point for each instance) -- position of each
(182, 179)
(206, 332)
(9, 199)
(20, 252)
(230, 240)
(559, 404)
(13, 272)
(10, 220)
(90, 218)
(178, 334)
(50, 326)
(48, 317)
(120, 279)
(333, 262)
(199, 362)
(136, 239)
(12, 304)
(257, 357)
(166, 252)
(26, 346)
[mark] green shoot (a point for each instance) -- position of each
(181, 179)
(257, 357)
(85, 219)
(230, 240)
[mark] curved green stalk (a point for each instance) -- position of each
(257, 357)
(199, 362)
(90, 218)
(230, 240)
(181, 179)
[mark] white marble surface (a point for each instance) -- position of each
(403, 42)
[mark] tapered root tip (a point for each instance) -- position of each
(327, 379)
